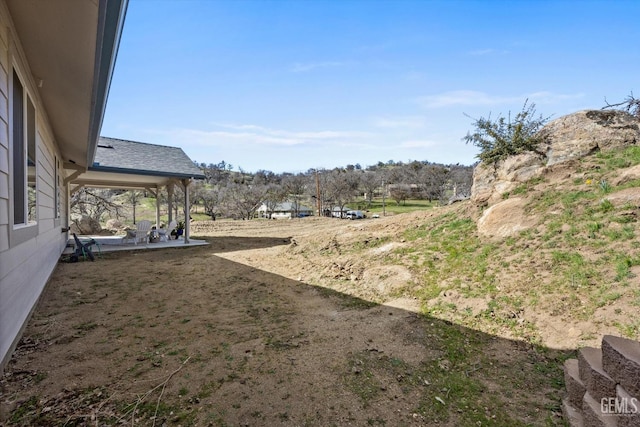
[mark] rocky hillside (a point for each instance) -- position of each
(568, 138)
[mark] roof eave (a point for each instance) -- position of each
(97, 168)
(111, 19)
(66, 51)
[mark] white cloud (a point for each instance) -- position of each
(418, 144)
(410, 122)
(470, 97)
(253, 135)
(463, 97)
(553, 98)
(222, 138)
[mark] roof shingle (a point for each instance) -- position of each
(119, 155)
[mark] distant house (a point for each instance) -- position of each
(285, 210)
(56, 63)
(337, 212)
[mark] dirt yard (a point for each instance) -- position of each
(243, 332)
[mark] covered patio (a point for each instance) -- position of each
(106, 244)
(131, 165)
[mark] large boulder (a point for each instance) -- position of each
(629, 174)
(586, 132)
(505, 219)
(491, 182)
(84, 224)
(567, 138)
(114, 225)
(627, 196)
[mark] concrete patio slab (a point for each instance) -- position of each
(117, 243)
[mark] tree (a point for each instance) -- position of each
(320, 189)
(504, 137)
(265, 177)
(294, 188)
(134, 197)
(209, 196)
(432, 180)
(400, 192)
(370, 181)
(177, 200)
(631, 105)
(214, 174)
(274, 195)
(95, 203)
(342, 187)
(461, 180)
(242, 200)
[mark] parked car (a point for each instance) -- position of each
(355, 215)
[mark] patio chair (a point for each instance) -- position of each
(165, 233)
(140, 233)
(83, 249)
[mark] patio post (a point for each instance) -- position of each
(157, 208)
(170, 201)
(187, 221)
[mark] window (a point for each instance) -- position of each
(24, 155)
(56, 188)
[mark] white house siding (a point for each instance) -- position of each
(25, 267)
(4, 146)
(282, 215)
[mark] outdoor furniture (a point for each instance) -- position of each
(154, 236)
(140, 233)
(165, 233)
(83, 249)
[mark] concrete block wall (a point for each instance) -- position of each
(603, 385)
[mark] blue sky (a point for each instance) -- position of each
(291, 85)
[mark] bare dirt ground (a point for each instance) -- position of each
(250, 331)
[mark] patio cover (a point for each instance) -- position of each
(129, 165)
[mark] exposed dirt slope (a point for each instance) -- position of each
(556, 263)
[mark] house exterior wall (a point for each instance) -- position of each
(284, 214)
(283, 211)
(28, 254)
(281, 215)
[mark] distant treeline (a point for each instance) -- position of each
(239, 194)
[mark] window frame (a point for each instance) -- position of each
(23, 227)
(57, 185)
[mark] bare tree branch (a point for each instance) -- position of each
(631, 105)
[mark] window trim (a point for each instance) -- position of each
(57, 192)
(26, 230)
(19, 160)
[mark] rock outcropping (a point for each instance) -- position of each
(84, 224)
(567, 138)
(504, 219)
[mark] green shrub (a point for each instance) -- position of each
(503, 137)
